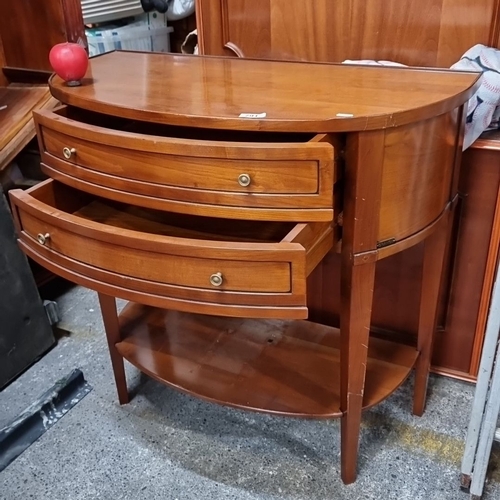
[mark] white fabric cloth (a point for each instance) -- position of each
(373, 63)
(178, 9)
(483, 109)
(483, 105)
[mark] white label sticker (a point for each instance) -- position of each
(253, 115)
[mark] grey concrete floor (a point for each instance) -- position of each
(166, 445)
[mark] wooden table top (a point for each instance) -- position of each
(295, 96)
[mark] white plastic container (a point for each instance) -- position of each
(147, 33)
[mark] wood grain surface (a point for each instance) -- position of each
(261, 264)
(30, 29)
(426, 33)
(302, 97)
(280, 367)
(16, 105)
(289, 175)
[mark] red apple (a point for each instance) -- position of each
(69, 61)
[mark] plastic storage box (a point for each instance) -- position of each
(146, 34)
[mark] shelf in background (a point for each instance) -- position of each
(16, 124)
(281, 367)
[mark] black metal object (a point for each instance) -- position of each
(24, 430)
(159, 5)
(25, 332)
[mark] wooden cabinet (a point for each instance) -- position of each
(424, 33)
(28, 30)
(430, 33)
(218, 227)
(475, 258)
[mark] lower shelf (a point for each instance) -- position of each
(274, 366)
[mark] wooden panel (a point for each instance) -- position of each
(302, 30)
(362, 192)
(424, 33)
(237, 25)
(30, 29)
(16, 104)
(24, 135)
(421, 173)
(73, 21)
(396, 294)
(465, 23)
(479, 186)
(386, 29)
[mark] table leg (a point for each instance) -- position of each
(434, 252)
(110, 319)
(356, 306)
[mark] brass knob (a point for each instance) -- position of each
(244, 180)
(67, 152)
(42, 238)
(216, 279)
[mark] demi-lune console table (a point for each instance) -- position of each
(205, 191)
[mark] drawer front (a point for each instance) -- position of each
(170, 268)
(233, 278)
(267, 181)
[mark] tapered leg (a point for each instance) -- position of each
(110, 319)
(356, 307)
(434, 252)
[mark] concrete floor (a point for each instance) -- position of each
(165, 445)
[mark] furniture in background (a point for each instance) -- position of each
(431, 33)
(207, 208)
(27, 32)
(427, 33)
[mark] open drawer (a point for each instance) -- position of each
(183, 262)
(222, 173)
